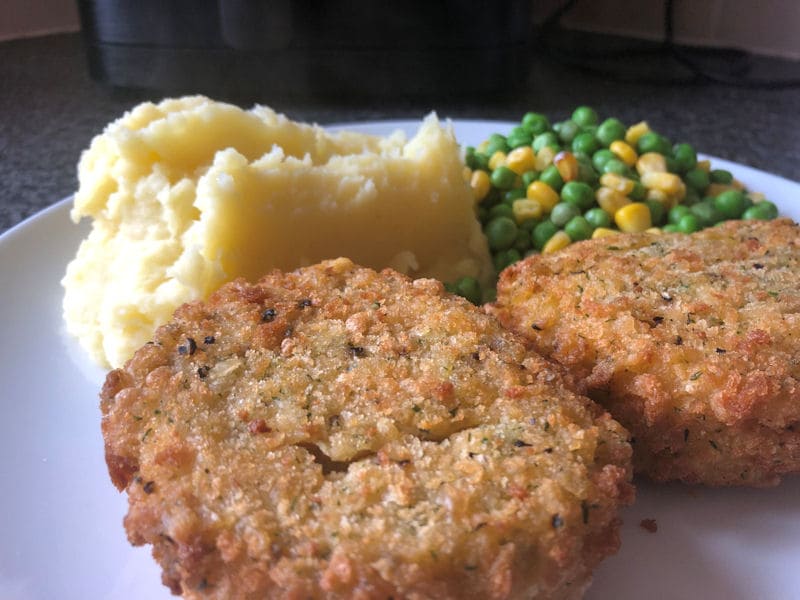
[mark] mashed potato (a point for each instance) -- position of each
(190, 193)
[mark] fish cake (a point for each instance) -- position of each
(335, 432)
(691, 341)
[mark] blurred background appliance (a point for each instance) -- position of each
(309, 47)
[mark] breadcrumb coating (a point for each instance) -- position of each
(340, 433)
(691, 341)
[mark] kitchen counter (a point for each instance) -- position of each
(50, 109)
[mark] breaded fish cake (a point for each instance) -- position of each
(340, 433)
(691, 342)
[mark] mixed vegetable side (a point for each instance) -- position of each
(542, 186)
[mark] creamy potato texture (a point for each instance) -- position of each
(189, 193)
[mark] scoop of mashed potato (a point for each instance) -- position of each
(190, 193)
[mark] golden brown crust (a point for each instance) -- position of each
(692, 342)
(340, 433)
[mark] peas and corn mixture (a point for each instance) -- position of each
(543, 186)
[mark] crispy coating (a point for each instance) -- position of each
(691, 342)
(340, 433)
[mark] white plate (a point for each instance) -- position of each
(61, 534)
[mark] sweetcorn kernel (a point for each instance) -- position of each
(603, 232)
(669, 183)
(525, 209)
(546, 196)
(567, 165)
(521, 159)
(544, 158)
(624, 152)
(498, 159)
(480, 184)
(633, 218)
(610, 200)
(651, 162)
(634, 132)
(559, 241)
(621, 184)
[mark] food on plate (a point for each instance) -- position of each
(189, 193)
(342, 433)
(691, 341)
(543, 186)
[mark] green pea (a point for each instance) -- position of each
(496, 142)
(657, 211)
(706, 213)
(585, 115)
(601, 157)
(585, 142)
(523, 241)
(730, 204)
(501, 210)
(493, 197)
(672, 164)
(469, 288)
(535, 123)
(469, 157)
(590, 129)
(769, 209)
(582, 157)
(697, 179)
(505, 258)
(552, 177)
(528, 224)
(676, 213)
(685, 156)
(481, 161)
(610, 130)
(638, 193)
(511, 195)
(519, 138)
(653, 142)
(503, 178)
(548, 138)
(513, 255)
(518, 130)
(528, 177)
(586, 172)
(763, 211)
(501, 233)
(688, 224)
(515, 141)
(691, 197)
(578, 228)
(567, 131)
(616, 166)
(563, 212)
(542, 233)
(579, 194)
(597, 217)
(721, 176)
(670, 228)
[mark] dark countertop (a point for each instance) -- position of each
(50, 109)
